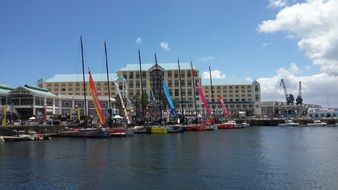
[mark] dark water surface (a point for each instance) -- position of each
(252, 158)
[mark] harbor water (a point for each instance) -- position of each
(250, 158)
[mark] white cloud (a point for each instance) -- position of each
(315, 88)
(139, 40)
(164, 45)
(215, 74)
(277, 3)
(266, 44)
(314, 24)
(205, 59)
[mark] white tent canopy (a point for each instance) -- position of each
(117, 117)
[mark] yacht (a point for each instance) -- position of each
(289, 123)
(317, 123)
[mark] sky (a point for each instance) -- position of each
(241, 40)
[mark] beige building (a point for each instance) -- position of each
(241, 97)
(152, 78)
(237, 97)
(69, 88)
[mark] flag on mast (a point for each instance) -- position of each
(201, 93)
(170, 101)
(225, 111)
(122, 103)
(96, 100)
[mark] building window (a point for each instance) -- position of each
(66, 103)
(176, 92)
(49, 102)
(256, 88)
(176, 82)
(189, 92)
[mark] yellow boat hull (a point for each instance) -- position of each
(158, 130)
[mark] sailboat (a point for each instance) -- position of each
(204, 126)
(158, 129)
(171, 128)
(93, 132)
(229, 124)
(114, 132)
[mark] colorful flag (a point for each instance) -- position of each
(170, 101)
(97, 104)
(220, 99)
(122, 103)
(200, 92)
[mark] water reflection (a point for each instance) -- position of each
(253, 158)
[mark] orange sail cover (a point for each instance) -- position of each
(96, 100)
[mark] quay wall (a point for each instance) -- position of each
(275, 122)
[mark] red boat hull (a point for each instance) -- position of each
(227, 126)
(197, 127)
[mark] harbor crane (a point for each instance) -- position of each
(299, 99)
(289, 97)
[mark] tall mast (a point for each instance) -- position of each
(159, 85)
(193, 87)
(212, 91)
(83, 79)
(179, 78)
(109, 102)
(139, 61)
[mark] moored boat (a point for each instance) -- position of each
(228, 125)
(244, 124)
(289, 123)
(121, 132)
(140, 130)
(118, 132)
(20, 136)
(92, 132)
(196, 127)
(158, 130)
(175, 129)
(317, 123)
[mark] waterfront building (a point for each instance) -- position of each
(238, 98)
(319, 113)
(27, 101)
(4, 91)
(282, 109)
(152, 79)
(69, 90)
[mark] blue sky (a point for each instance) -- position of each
(40, 38)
